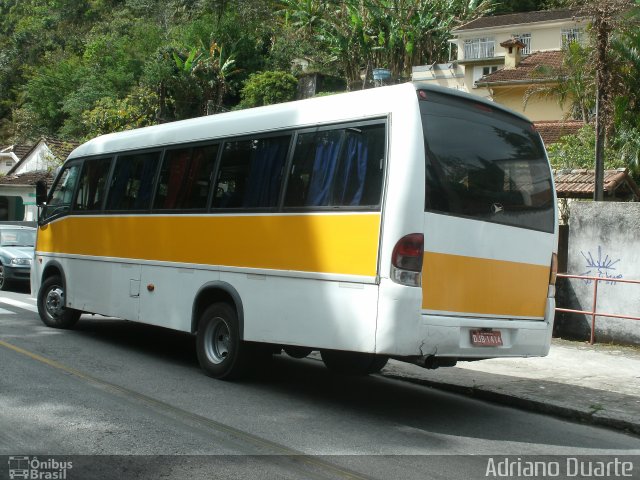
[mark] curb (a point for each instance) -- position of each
(560, 411)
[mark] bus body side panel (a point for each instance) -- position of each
(304, 279)
(98, 286)
(403, 214)
(105, 287)
(167, 293)
(307, 312)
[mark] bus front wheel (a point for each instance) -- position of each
(221, 352)
(353, 363)
(52, 307)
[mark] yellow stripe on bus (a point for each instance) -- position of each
(339, 244)
(455, 283)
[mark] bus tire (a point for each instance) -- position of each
(221, 352)
(353, 363)
(51, 305)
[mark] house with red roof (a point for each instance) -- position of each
(29, 164)
(502, 57)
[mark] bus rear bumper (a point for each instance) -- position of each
(451, 336)
(406, 333)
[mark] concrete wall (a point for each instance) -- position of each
(604, 242)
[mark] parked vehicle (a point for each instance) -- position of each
(16, 254)
(408, 221)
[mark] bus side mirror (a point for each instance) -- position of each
(41, 193)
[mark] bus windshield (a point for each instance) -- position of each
(485, 164)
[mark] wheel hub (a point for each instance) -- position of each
(217, 340)
(55, 302)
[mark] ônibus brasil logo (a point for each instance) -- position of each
(34, 469)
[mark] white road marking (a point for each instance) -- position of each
(19, 304)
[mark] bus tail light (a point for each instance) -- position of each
(406, 260)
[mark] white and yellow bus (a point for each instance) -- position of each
(406, 222)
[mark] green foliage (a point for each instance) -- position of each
(573, 151)
(266, 88)
(76, 68)
(573, 85)
(577, 151)
(113, 115)
(511, 6)
(48, 88)
(394, 34)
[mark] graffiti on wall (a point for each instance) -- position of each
(601, 265)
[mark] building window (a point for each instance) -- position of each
(526, 39)
(479, 48)
(8, 163)
(488, 70)
(479, 72)
(570, 35)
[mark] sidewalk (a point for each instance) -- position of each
(598, 384)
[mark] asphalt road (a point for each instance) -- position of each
(111, 387)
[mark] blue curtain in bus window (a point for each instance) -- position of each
(324, 167)
(350, 184)
(265, 173)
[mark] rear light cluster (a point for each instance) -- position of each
(406, 260)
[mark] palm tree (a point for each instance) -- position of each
(572, 83)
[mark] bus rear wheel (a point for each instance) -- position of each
(52, 305)
(353, 363)
(221, 352)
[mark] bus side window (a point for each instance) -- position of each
(92, 188)
(359, 177)
(250, 173)
(337, 168)
(185, 177)
(132, 182)
(62, 192)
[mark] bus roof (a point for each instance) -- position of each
(343, 107)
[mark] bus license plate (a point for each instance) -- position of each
(480, 338)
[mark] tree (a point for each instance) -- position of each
(393, 34)
(138, 109)
(607, 16)
(572, 83)
(606, 72)
(213, 68)
(266, 88)
(626, 104)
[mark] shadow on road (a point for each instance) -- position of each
(286, 382)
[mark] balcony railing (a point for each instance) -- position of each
(480, 48)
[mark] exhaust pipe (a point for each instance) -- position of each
(432, 362)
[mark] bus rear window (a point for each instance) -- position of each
(485, 164)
